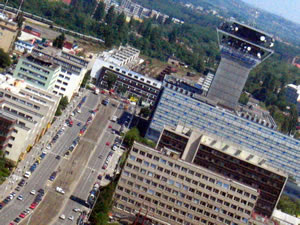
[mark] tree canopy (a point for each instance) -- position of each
(5, 60)
(59, 41)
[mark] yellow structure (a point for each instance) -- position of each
(8, 33)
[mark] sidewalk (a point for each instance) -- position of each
(11, 182)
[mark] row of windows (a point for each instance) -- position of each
(183, 208)
(31, 79)
(20, 101)
(33, 73)
(175, 173)
(35, 67)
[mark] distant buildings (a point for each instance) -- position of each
(242, 48)
(292, 94)
(52, 69)
(26, 112)
(168, 190)
(8, 33)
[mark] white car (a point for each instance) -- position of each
(60, 190)
(77, 210)
(71, 218)
(27, 174)
(62, 216)
(33, 192)
(20, 197)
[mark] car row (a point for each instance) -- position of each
(107, 161)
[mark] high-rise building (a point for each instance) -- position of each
(229, 160)
(181, 103)
(26, 112)
(169, 190)
(242, 48)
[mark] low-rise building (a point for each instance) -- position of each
(26, 112)
(169, 190)
(8, 33)
(52, 69)
(134, 83)
(23, 46)
(38, 71)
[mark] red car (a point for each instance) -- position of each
(33, 205)
(11, 224)
(22, 215)
(109, 126)
(107, 143)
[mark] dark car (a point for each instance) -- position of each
(58, 157)
(41, 191)
(53, 176)
(17, 220)
(43, 155)
(22, 183)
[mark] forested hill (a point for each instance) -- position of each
(278, 26)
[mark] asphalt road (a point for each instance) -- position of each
(40, 176)
(91, 172)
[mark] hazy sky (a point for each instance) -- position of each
(289, 9)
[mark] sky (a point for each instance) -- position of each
(289, 9)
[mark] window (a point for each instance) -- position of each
(153, 166)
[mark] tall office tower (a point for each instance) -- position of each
(242, 48)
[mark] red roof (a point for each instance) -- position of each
(68, 45)
(67, 1)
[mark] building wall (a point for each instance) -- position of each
(8, 33)
(33, 109)
(281, 151)
(172, 191)
(35, 74)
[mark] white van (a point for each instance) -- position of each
(114, 118)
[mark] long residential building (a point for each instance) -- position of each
(52, 69)
(229, 160)
(182, 104)
(26, 112)
(168, 190)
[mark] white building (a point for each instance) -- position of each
(23, 46)
(292, 94)
(26, 112)
(125, 56)
(73, 69)
(285, 219)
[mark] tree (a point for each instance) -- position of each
(122, 89)
(59, 41)
(63, 102)
(20, 19)
(111, 79)
(108, 36)
(145, 112)
(4, 59)
(244, 98)
(86, 78)
(289, 205)
(120, 21)
(100, 11)
(110, 16)
(132, 135)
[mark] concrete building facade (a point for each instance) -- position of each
(38, 71)
(181, 104)
(229, 160)
(26, 112)
(168, 190)
(242, 48)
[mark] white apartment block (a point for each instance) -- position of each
(73, 69)
(26, 112)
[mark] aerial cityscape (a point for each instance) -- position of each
(141, 112)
